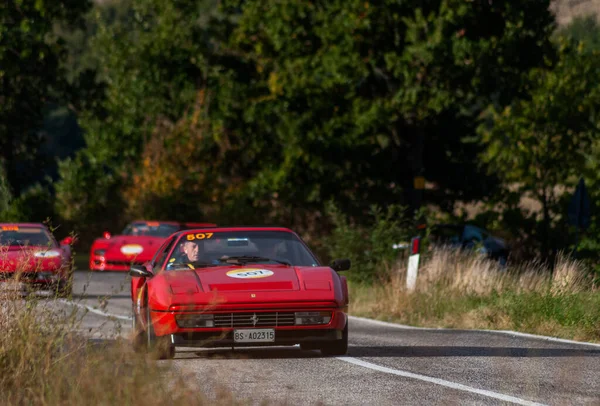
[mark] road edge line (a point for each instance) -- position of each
(505, 332)
(95, 311)
(438, 381)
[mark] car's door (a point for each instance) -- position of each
(138, 283)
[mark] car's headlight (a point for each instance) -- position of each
(100, 253)
(195, 320)
(312, 317)
(47, 254)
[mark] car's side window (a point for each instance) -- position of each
(472, 234)
(162, 254)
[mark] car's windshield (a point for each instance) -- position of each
(215, 247)
(25, 236)
(151, 229)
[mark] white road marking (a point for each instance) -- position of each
(508, 332)
(437, 381)
(94, 310)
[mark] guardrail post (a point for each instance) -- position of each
(413, 263)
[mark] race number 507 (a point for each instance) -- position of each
(199, 236)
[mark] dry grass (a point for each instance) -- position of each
(45, 361)
(47, 357)
(459, 290)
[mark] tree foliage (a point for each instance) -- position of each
(541, 142)
(30, 76)
(357, 98)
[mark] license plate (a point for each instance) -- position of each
(262, 335)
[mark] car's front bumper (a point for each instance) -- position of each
(34, 280)
(282, 337)
(100, 263)
(165, 324)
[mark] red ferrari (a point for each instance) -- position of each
(30, 253)
(236, 287)
(135, 245)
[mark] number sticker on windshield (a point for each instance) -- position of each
(199, 236)
(10, 228)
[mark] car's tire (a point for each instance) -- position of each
(159, 347)
(338, 347)
(139, 335)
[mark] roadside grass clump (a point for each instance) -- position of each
(463, 290)
(46, 359)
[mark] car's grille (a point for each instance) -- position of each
(22, 276)
(255, 319)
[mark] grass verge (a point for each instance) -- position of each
(46, 360)
(456, 290)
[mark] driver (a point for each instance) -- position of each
(188, 253)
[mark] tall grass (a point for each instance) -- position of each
(460, 290)
(48, 358)
(45, 360)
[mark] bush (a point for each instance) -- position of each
(369, 247)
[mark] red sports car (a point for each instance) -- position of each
(239, 286)
(30, 253)
(135, 245)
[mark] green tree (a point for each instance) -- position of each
(155, 58)
(540, 143)
(357, 98)
(30, 76)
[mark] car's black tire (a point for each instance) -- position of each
(159, 347)
(338, 347)
(139, 335)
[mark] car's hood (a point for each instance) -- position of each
(242, 278)
(31, 258)
(127, 247)
(250, 284)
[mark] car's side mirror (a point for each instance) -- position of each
(140, 271)
(340, 265)
(67, 241)
(106, 235)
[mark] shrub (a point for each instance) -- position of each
(369, 247)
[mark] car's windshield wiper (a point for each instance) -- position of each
(241, 259)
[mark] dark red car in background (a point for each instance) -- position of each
(30, 253)
(135, 245)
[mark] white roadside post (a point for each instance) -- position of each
(413, 263)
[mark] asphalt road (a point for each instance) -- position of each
(386, 364)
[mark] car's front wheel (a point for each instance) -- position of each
(159, 347)
(338, 347)
(139, 337)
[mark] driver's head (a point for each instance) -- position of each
(190, 250)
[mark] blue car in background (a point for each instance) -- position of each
(467, 236)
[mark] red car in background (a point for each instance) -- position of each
(237, 287)
(135, 245)
(30, 253)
